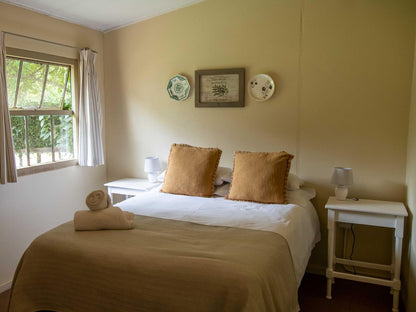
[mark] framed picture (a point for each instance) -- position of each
(219, 87)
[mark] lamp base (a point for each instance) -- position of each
(341, 192)
(152, 177)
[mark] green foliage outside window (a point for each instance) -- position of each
(41, 86)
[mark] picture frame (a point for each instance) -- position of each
(220, 87)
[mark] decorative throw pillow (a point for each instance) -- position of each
(260, 177)
(191, 170)
(293, 181)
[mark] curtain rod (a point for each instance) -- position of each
(45, 41)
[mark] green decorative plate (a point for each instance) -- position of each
(178, 88)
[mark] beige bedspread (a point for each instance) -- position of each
(160, 265)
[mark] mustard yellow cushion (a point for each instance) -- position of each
(191, 170)
(260, 177)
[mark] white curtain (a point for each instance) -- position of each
(7, 161)
(90, 117)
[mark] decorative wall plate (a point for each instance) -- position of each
(178, 87)
(261, 87)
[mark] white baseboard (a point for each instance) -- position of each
(5, 286)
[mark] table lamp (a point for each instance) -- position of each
(152, 167)
(342, 178)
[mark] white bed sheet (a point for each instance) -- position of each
(297, 221)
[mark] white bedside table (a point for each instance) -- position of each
(367, 212)
(129, 187)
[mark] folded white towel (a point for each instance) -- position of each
(112, 218)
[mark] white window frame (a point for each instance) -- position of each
(52, 59)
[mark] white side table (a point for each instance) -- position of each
(129, 187)
(367, 212)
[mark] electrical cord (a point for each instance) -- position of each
(351, 228)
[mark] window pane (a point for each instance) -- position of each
(31, 85)
(55, 85)
(12, 71)
(40, 140)
(47, 84)
(63, 136)
(68, 95)
(19, 140)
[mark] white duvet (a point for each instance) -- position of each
(297, 221)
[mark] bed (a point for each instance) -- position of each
(188, 250)
(210, 254)
(297, 222)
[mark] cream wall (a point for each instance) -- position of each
(344, 73)
(140, 59)
(41, 201)
(357, 60)
(410, 261)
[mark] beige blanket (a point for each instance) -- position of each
(160, 265)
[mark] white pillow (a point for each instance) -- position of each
(222, 190)
(221, 173)
(294, 182)
(161, 176)
(227, 177)
(301, 196)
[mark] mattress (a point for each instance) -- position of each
(297, 221)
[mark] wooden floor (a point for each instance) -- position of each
(4, 301)
(347, 296)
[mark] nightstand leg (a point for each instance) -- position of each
(329, 288)
(395, 301)
(397, 262)
(110, 193)
(331, 253)
(393, 259)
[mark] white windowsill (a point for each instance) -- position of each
(46, 167)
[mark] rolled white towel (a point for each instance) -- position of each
(98, 200)
(112, 218)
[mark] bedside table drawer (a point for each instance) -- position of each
(373, 219)
(126, 191)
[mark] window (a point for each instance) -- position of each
(40, 97)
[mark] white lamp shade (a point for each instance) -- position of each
(342, 176)
(151, 164)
